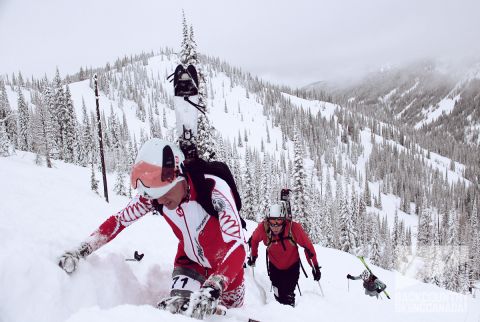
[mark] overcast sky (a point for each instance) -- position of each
(292, 42)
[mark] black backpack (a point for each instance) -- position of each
(196, 169)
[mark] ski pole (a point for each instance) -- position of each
(321, 290)
(299, 289)
(260, 288)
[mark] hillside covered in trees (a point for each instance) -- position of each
(361, 182)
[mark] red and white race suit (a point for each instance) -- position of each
(207, 244)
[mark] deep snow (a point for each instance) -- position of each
(44, 212)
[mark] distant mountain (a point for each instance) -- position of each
(430, 96)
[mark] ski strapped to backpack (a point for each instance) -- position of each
(185, 84)
(196, 169)
(368, 268)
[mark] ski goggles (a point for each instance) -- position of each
(276, 222)
(152, 176)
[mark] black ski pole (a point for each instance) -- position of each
(303, 269)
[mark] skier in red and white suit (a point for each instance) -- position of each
(208, 268)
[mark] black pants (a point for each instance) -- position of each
(284, 282)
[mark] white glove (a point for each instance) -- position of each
(205, 301)
(174, 304)
(69, 260)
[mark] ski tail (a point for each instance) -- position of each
(185, 81)
(185, 85)
(368, 268)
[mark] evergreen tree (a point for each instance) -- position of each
(192, 55)
(354, 210)
(85, 138)
(299, 208)
(23, 123)
(248, 207)
(361, 222)
(327, 229)
(119, 187)
(316, 212)
(451, 275)
(265, 187)
(375, 255)
(464, 280)
(347, 234)
(327, 226)
(43, 130)
(474, 244)
(205, 139)
(69, 128)
(4, 141)
(6, 114)
(387, 259)
(185, 46)
(424, 235)
(58, 113)
(396, 240)
(240, 144)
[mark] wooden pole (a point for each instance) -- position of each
(100, 140)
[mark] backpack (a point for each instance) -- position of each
(268, 232)
(196, 169)
(370, 283)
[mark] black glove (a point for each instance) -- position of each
(251, 260)
(350, 277)
(379, 290)
(316, 273)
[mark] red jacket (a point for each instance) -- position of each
(280, 257)
(217, 244)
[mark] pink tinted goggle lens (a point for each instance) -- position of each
(151, 176)
(275, 222)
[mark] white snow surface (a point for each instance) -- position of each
(445, 106)
(326, 110)
(44, 212)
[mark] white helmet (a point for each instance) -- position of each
(277, 211)
(365, 275)
(157, 168)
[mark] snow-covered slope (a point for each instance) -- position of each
(46, 211)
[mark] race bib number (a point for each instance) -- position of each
(185, 283)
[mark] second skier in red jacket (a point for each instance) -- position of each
(281, 237)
